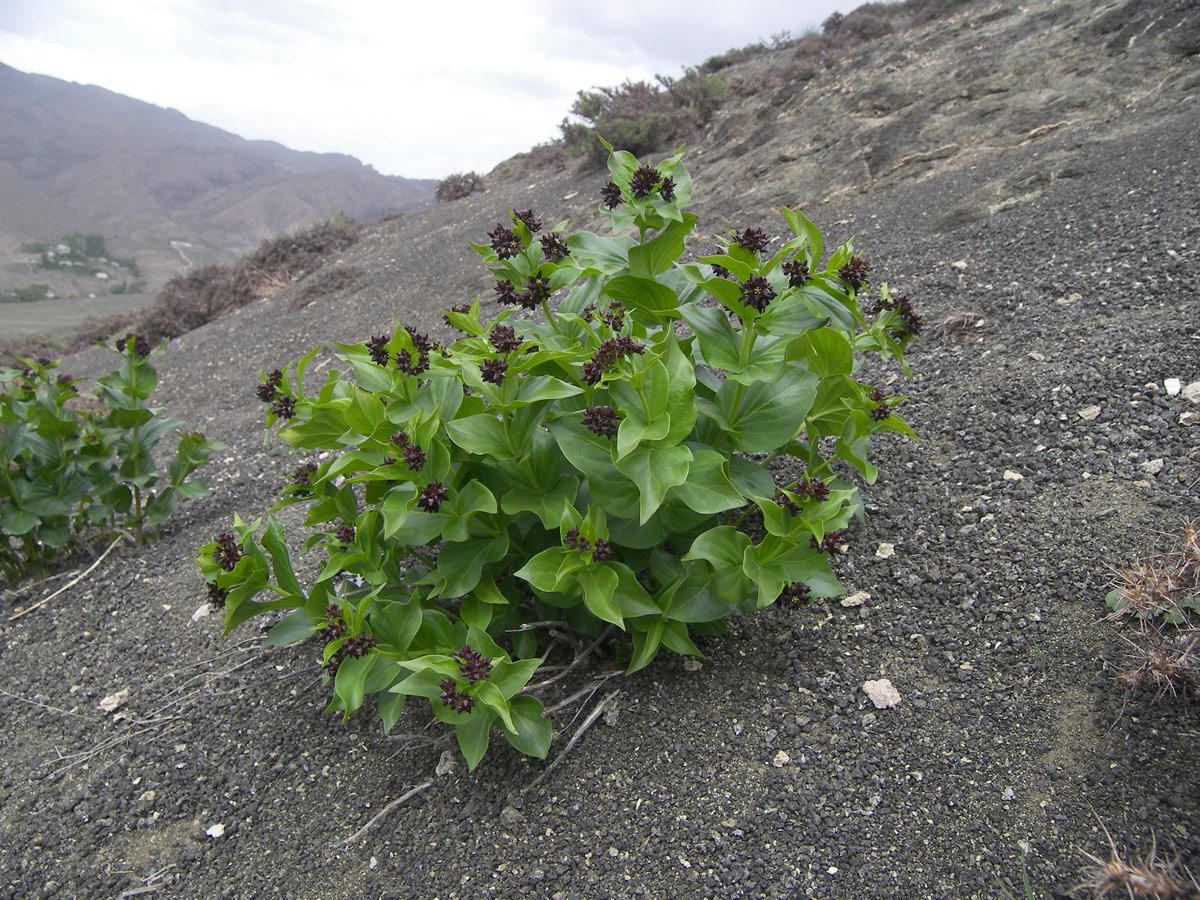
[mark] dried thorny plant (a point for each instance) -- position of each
(1161, 594)
(1151, 878)
(962, 322)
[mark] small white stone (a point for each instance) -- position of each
(858, 598)
(1008, 794)
(1089, 412)
(112, 701)
(691, 664)
(373, 863)
(882, 693)
(446, 764)
(216, 831)
(1037, 357)
(781, 759)
(959, 264)
(202, 612)
(1173, 386)
(885, 550)
(1010, 475)
(1192, 392)
(1152, 466)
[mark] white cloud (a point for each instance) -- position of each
(419, 90)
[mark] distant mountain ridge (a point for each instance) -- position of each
(80, 158)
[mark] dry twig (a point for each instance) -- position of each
(378, 817)
(587, 723)
(70, 584)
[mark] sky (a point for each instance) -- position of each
(419, 89)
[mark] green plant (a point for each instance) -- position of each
(1028, 895)
(607, 466)
(73, 462)
(28, 294)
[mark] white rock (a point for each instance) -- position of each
(882, 693)
(446, 764)
(691, 664)
(885, 550)
(1010, 475)
(216, 831)
(960, 264)
(781, 759)
(1152, 466)
(1173, 386)
(202, 612)
(112, 701)
(1192, 392)
(1089, 412)
(1037, 357)
(858, 598)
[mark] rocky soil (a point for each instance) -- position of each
(1028, 175)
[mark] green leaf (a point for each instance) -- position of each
(599, 583)
(591, 455)
(511, 677)
(718, 344)
(763, 417)
(390, 706)
(396, 622)
(657, 255)
(645, 645)
(549, 505)
(644, 295)
(707, 488)
(655, 470)
(291, 629)
(473, 733)
(802, 227)
(605, 255)
(724, 548)
(483, 434)
(348, 683)
(281, 562)
(460, 564)
(827, 352)
(489, 695)
(542, 570)
(533, 731)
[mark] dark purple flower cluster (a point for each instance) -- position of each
(228, 552)
(615, 317)
(602, 421)
(505, 242)
(601, 550)
(720, 271)
(303, 473)
(268, 389)
(797, 272)
(504, 339)
(752, 239)
(787, 503)
(572, 540)
(133, 342)
(553, 246)
(217, 596)
(908, 317)
(457, 308)
(644, 181)
(607, 354)
(432, 496)
(831, 543)
(334, 628)
(795, 595)
(493, 370)
(414, 457)
(474, 665)
(528, 219)
(667, 189)
(854, 273)
(457, 700)
(377, 347)
(284, 407)
(409, 366)
(399, 437)
(757, 292)
(506, 293)
(537, 289)
(63, 379)
(811, 487)
(357, 645)
(881, 412)
(345, 534)
(876, 395)
(610, 195)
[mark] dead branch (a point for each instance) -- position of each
(379, 816)
(72, 583)
(587, 723)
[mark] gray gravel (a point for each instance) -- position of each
(1011, 737)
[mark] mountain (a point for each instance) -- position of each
(79, 158)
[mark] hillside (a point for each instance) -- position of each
(1026, 173)
(79, 158)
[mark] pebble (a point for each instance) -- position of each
(882, 693)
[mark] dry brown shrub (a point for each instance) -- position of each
(457, 186)
(101, 328)
(27, 346)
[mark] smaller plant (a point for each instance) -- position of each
(1162, 595)
(1151, 878)
(73, 462)
(457, 186)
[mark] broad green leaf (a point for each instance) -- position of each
(390, 706)
(644, 295)
(724, 548)
(599, 583)
(657, 255)
(533, 731)
(473, 733)
(655, 470)
(348, 683)
(763, 417)
(707, 488)
(291, 629)
(511, 677)
(645, 645)
(489, 695)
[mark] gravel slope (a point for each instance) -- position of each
(1010, 733)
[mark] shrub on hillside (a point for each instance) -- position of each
(457, 186)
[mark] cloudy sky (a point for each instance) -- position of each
(415, 89)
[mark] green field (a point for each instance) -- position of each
(58, 318)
